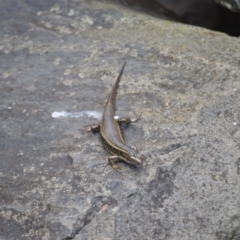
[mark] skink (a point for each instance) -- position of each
(111, 134)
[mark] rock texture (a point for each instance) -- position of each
(233, 5)
(55, 183)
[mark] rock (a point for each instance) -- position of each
(202, 13)
(233, 5)
(60, 58)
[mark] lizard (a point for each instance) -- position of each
(111, 133)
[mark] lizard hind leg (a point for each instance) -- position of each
(93, 128)
(137, 117)
(128, 120)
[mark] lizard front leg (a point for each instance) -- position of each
(112, 162)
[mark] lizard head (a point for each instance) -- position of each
(136, 158)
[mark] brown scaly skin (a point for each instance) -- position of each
(111, 135)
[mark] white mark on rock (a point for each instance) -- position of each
(93, 114)
(67, 72)
(80, 75)
(87, 19)
(71, 13)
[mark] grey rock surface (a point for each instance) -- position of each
(233, 5)
(54, 181)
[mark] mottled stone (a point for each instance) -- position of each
(63, 57)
